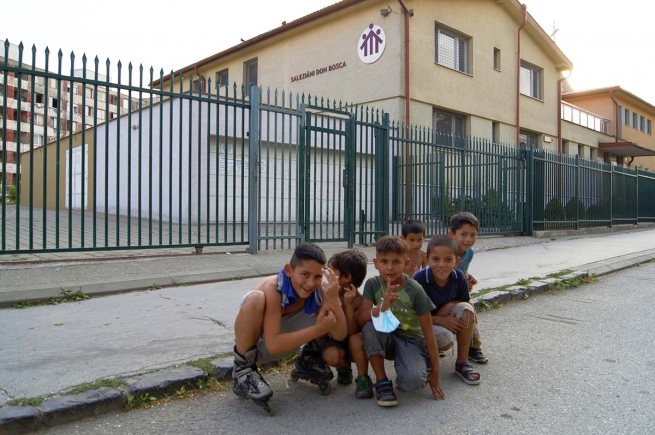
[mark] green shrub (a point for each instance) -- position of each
(12, 196)
(554, 210)
(598, 211)
(570, 209)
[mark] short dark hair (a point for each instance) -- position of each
(445, 241)
(395, 244)
(307, 251)
(413, 226)
(351, 262)
(458, 220)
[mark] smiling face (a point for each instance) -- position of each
(391, 265)
(442, 260)
(415, 241)
(465, 237)
(306, 277)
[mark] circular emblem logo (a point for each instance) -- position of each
(371, 44)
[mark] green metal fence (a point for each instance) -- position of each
(437, 175)
(122, 164)
(570, 193)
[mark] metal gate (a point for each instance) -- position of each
(325, 175)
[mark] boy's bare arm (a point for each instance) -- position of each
(330, 291)
(431, 343)
(277, 342)
(364, 312)
(352, 300)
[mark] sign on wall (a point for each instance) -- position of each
(371, 44)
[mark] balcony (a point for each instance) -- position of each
(583, 118)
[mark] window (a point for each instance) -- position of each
(642, 124)
(452, 50)
(135, 105)
(198, 85)
(528, 139)
(649, 127)
(101, 97)
(497, 59)
(495, 132)
(447, 122)
(113, 99)
(250, 69)
(76, 90)
(54, 102)
(531, 80)
(101, 114)
(76, 108)
(627, 117)
(39, 98)
(38, 140)
(635, 120)
(89, 92)
(89, 111)
(222, 78)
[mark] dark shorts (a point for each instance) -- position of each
(326, 342)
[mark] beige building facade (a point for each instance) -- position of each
(629, 140)
(465, 73)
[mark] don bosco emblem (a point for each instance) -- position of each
(371, 44)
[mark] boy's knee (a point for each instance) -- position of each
(410, 381)
(254, 301)
(334, 356)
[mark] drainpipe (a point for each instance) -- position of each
(408, 200)
(518, 74)
(617, 118)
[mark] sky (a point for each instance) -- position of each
(609, 42)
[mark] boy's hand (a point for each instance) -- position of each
(350, 294)
(390, 296)
(453, 324)
(435, 385)
(471, 281)
(330, 287)
(326, 319)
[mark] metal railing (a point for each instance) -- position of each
(219, 166)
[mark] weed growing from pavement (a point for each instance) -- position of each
(559, 274)
(111, 383)
(66, 295)
(523, 282)
(26, 401)
(154, 287)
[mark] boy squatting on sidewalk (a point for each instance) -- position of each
(350, 266)
(453, 318)
(282, 313)
(464, 228)
(413, 231)
(395, 316)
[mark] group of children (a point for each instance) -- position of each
(415, 310)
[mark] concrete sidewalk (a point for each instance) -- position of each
(47, 349)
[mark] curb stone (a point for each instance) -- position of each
(18, 420)
(222, 366)
(64, 409)
(164, 381)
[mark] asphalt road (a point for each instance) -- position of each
(572, 362)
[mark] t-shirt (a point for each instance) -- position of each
(412, 304)
(465, 261)
(456, 289)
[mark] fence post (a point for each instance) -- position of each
(381, 178)
(577, 192)
(253, 166)
(637, 192)
(611, 194)
(529, 183)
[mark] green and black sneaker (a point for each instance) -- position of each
(364, 389)
(344, 376)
